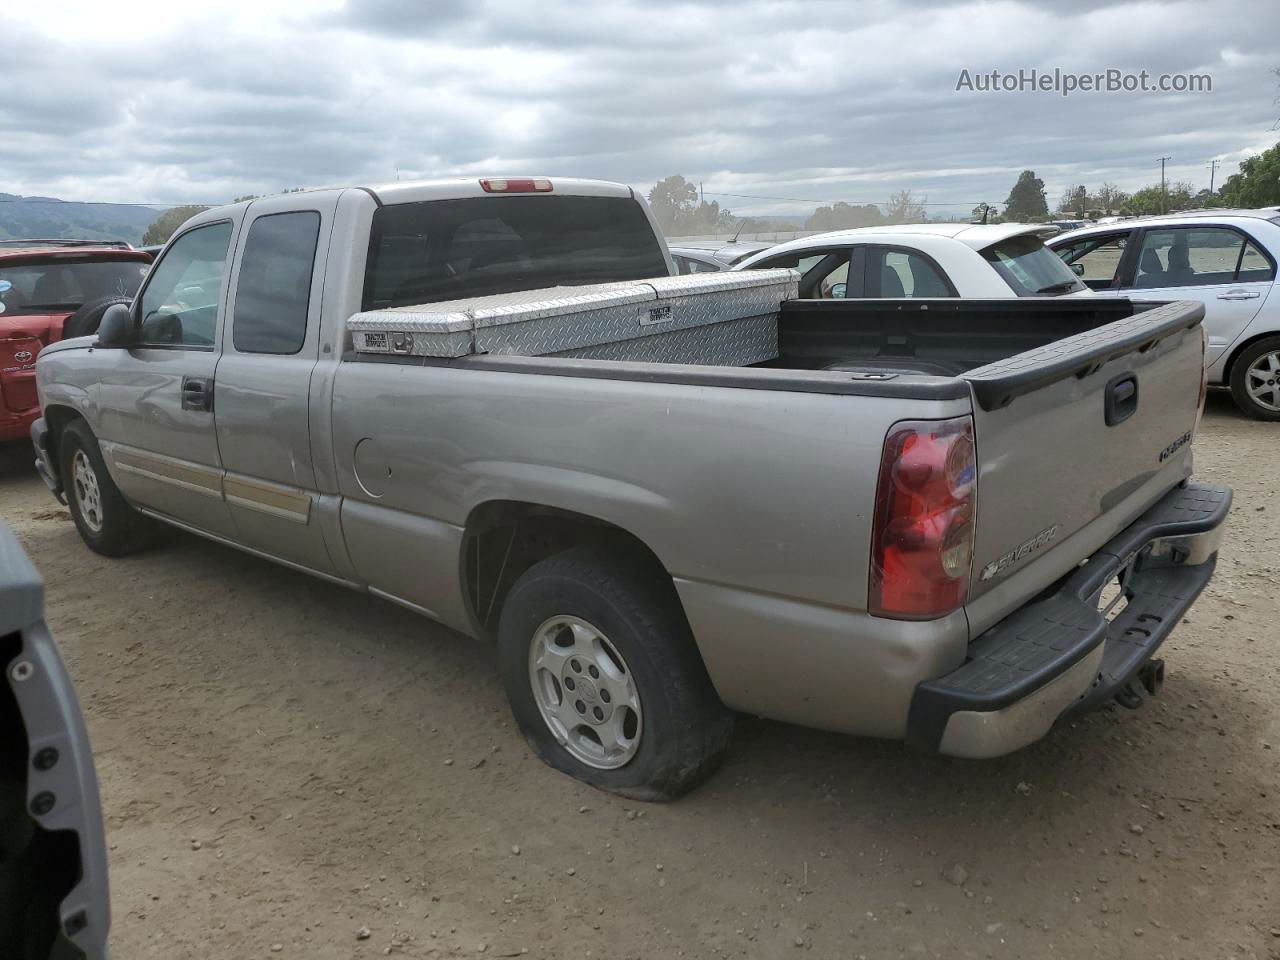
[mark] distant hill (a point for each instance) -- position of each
(49, 217)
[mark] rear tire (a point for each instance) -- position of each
(604, 679)
(107, 523)
(87, 319)
(1255, 380)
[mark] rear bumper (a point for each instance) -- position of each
(1059, 655)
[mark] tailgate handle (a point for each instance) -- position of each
(1122, 399)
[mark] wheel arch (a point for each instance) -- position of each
(1239, 348)
(504, 538)
(57, 418)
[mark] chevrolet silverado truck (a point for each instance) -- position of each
(951, 522)
(50, 289)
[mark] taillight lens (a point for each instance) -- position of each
(922, 537)
(516, 185)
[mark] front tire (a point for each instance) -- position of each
(107, 523)
(604, 679)
(1255, 380)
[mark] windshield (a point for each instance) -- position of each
(1031, 268)
(450, 249)
(63, 285)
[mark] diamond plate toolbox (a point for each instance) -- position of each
(723, 319)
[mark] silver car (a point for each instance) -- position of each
(1226, 259)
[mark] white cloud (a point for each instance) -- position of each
(814, 99)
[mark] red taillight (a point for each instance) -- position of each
(922, 537)
(517, 185)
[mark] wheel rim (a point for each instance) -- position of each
(1262, 381)
(585, 692)
(88, 495)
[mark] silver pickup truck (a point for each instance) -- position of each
(950, 522)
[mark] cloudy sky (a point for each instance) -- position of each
(816, 100)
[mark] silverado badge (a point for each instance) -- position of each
(1020, 552)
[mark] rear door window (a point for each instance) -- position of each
(895, 274)
(450, 249)
(274, 289)
(1254, 265)
(1188, 257)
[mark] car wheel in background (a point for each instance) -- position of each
(107, 523)
(604, 679)
(1255, 380)
(85, 320)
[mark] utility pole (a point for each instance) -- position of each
(1213, 168)
(1164, 194)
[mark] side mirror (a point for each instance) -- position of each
(1078, 269)
(115, 332)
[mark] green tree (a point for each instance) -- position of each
(1178, 195)
(673, 202)
(844, 216)
(903, 207)
(163, 226)
(1026, 199)
(1258, 182)
(675, 206)
(1110, 198)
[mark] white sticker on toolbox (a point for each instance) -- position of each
(655, 315)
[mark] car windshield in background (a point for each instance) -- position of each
(65, 284)
(1031, 268)
(451, 249)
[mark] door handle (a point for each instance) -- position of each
(197, 394)
(1239, 295)
(1121, 399)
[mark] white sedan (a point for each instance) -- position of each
(925, 260)
(1226, 259)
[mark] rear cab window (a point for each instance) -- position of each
(1030, 268)
(437, 250)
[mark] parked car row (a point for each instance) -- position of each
(884, 482)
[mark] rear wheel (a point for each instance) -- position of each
(107, 523)
(604, 678)
(1255, 380)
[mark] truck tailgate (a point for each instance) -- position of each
(1086, 432)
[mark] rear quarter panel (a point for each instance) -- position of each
(767, 491)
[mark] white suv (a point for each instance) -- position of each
(1224, 258)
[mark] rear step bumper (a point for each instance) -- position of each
(1059, 656)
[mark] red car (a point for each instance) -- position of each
(51, 290)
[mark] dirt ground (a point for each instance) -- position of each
(284, 763)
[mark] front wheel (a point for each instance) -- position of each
(1255, 380)
(107, 523)
(604, 678)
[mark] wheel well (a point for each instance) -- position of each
(1236, 351)
(57, 418)
(504, 538)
